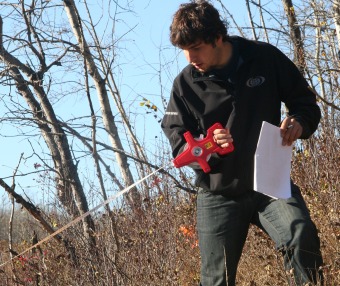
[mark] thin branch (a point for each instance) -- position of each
(251, 20)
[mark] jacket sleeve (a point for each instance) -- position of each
(298, 97)
(176, 121)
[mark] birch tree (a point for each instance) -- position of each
(103, 98)
(31, 58)
(295, 35)
(29, 83)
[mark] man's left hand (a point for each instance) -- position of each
(291, 130)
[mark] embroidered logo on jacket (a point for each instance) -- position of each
(255, 81)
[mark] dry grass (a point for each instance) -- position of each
(160, 246)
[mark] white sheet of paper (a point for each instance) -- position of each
(272, 163)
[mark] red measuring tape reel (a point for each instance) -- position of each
(199, 150)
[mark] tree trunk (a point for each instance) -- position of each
(295, 35)
(133, 197)
(70, 190)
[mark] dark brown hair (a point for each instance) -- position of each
(196, 21)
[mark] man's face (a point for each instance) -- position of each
(203, 56)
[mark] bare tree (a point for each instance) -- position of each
(295, 35)
(32, 58)
(62, 50)
(100, 84)
(29, 83)
(311, 40)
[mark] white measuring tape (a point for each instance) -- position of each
(84, 215)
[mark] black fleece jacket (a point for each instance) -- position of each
(248, 91)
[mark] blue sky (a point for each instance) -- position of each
(143, 52)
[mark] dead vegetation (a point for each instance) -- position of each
(159, 247)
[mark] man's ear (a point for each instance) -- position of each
(218, 42)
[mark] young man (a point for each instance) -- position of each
(240, 83)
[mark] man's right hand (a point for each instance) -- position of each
(223, 137)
